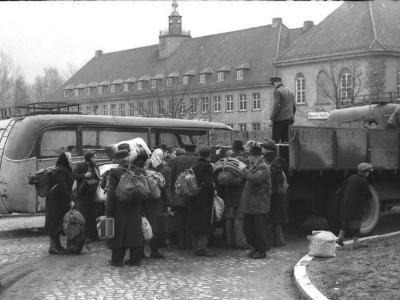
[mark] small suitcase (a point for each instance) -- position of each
(105, 228)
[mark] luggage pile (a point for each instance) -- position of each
(229, 171)
(136, 145)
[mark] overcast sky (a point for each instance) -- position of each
(42, 34)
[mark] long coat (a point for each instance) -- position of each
(356, 192)
(284, 105)
(278, 212)
(127, 216)
(153, 208)
(178, 165)
(257, 190)
(200, 207)
(58, 200)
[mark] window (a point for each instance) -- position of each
(220, 76)
(88, 109)
(131, 109)
(217, 103)
(100, 89)
(76, 92)
(113, 110)
(192, 105)
(202, 78)
(398, 86)
(126, 87)
(346, 86)
(140, 85)
(185, 80)
(169, 81)
(256, 101)
(88, 91)
(229, 102)
(154, 84)
(256, 126)
(242, 102)
(122, 109)
(182, 106)
(161, 107)
(96, 110)
(300, 89)
(140, 108)
(150, 108)
(204, 104)
(65, 93)
(113, 88)
(52, 140)
(104, 109)
(242, 126)
(239, 75)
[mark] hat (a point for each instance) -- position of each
(205, 151)
(255, 149)
(120, 154)
(275, 79)
(124, 146)
(364, 167)
(269, 145)
(237, 145)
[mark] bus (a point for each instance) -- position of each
(32, 142)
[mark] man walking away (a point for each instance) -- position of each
(356, 192)
(283, 111)
(255, 202)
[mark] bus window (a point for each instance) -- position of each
(169, 139)
(99, 138)
(53, 140)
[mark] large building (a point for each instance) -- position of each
(225, 77)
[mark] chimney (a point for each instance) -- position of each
(98, 53)
(276, 22)
(307, 25)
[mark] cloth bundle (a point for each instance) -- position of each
(322, 244)
(229, 171)
(135, 146)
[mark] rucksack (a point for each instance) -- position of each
(42, 180)
(156, 182)
(132, 187)
(186, 184)
(74, 227)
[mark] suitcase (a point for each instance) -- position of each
(105, 228)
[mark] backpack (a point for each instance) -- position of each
(42, 180)
(218, 208)
(229, 171)
(186, 184)
(74, 227)
(156, 182)
(132, 187)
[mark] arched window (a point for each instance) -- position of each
(324, 90)
(300, 89)
(398, 86)
(346, 85)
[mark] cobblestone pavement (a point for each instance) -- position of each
(229, 275)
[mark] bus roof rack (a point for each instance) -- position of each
(368, 99)
(38, 108)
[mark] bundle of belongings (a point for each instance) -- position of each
(229, 171)
(322, 244)
(136, 145)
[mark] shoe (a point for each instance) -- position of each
(134, 263)
(57, 251)
(259, 255)
(115, 264)
(157, 255)
(205, 253)
(340, 242)
(251, 253)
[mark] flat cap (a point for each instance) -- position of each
(364, 167)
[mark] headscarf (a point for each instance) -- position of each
(157, 157)
(62, 161)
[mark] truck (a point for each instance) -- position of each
(321, 158)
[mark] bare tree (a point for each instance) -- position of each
(44, 86)
(20, 91)
(6, 80)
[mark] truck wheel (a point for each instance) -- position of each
(371, 210)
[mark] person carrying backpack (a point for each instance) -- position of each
(127, 216)
(58, 201)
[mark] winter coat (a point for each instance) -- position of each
(58, 200)
(284, 105)
(257, 189)
(154, 208)
(200, 207)
(79, 175)
(178, 165)
(127, 216)
(356, 192)
(278, 212)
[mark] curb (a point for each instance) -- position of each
(303, 282)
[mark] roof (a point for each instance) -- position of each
(212, 51)
(354, 26)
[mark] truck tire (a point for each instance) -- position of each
(371, 211)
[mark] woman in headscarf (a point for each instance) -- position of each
(87, 179)
(58, 201)
(154, 208)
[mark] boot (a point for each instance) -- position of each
(58, 244)
(53, 246)
(278, 235)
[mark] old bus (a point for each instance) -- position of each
(32, 142)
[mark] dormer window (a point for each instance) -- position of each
(239, 74)
(202, 78)
(140, 85)
(185, 80)
(76, 92)
(126, 87)
(88, 91)
(65, 93)
(220, 76)
(100, 90)
(113, 88)
(154, 84)
(169, 81)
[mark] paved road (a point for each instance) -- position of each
(28, 272)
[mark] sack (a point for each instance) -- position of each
(136, 145)
(218, 208)
(42, 180)
(322, 244)
(105, 227)
(146, 229)
(74, 227)
(186, 184)
(156, 182)
(132, 188)
(89, 186)
(228, 178)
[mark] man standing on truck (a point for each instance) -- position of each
(356, 191)
(283, 111)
